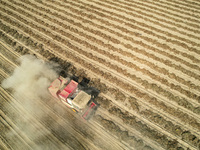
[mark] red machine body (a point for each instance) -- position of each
(69, 93)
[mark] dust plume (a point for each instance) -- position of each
(32, 78)
(40, 116)
(28, 85)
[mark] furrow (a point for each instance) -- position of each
(184, 3)
(175, 14)
(100, 41)
(175, 7)
(146, 18)
(49, 107)
(128, 46)
(135, 98)
(118, 13)
(176, 58)
(15, 134)
(51, 115)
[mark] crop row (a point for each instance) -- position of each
(114, 40)
(183, 7)
(135, 41)
(95, 69)
(165, 46)
(150, 16)
(22, 51)
(176, 66)
(143, 128)
(161, 80)
(149, 47)
(112, 109)
(157, 68)
(186, 3)
(151, 33)
(163, 12)
(180, 6)
(121, 134)
(181, 102)
(128, 19)
(39, 47)
(176, 130)
(161, 31)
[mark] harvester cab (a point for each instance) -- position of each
(77, 96)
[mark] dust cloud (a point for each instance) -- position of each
(32, 78)
(28, 84)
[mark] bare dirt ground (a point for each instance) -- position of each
(144, 57)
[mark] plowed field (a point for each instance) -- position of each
(143, 56)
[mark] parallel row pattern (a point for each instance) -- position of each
(143, 56)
